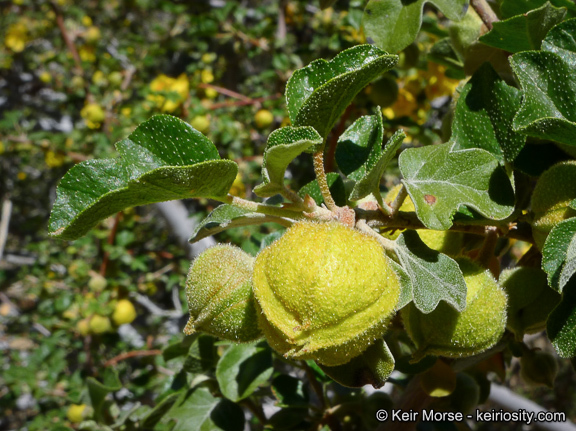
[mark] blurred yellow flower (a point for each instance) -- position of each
(16, 37)
(92, 34)
(437, 83)
(98, 78)
(22, 176)
(53, 159)
(206, 76)
(405, 105)
(86, 53)
(86, 21)
(238, 188)
(2, 149)
(169, 93)
(93, 115)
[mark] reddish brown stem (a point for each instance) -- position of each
(226, 92)
(485, 12)
(133, 354)
(69, 44)
(111, 239)
(230, 104)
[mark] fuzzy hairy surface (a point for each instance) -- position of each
(554, 191)
(446, 332)
(326, 292)
(219, 294)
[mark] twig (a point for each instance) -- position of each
(232, 104)
(133, 354)
(69, 44)
(226, 92)
(485, 12)
(41, 329)
(111, 239)
(322, 180)
(154, 309)
(4, 223)
(385, 242)
(487, 250)
(176, 299)
(399, 200)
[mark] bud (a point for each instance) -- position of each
(530, 299)
(219, 293)
(538, 368)
(326, 292)
(447, 332)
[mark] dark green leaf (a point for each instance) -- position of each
(442, 52)
(242, 369)
(289, 391)
(360, 155)
(335, 184)
(291, 418)
(157, 413)
(510, 8)
(225, 217)
(197, 409)
(561, 326)
(484, 114)
(98, 391)
(178, 349)
(373, 367)
(524, 32)
(163, 159)
(435, 276)
(318, 94)
(202, 355)
(559, 254)
(283, 146)
(547, 77)
(325, 4)
(573, 204)
(440, 180)
(394, 24)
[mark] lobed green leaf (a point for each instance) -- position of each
(439, 181)
(547, 78)
(526, 31)
(561, 325)
(559, 254)
(163, 159)
(394, 24)
(318, 94)
(434, 276)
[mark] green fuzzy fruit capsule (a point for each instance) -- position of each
(326, 292)
(447, 332)
(466, 395)
(219, 293)
(552, 195)
(538, 368)
(530, 299)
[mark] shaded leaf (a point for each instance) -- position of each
(373, 367)
(394, 24)
(318, 94)
(561, 326)
(442, 52)
(483, 116)
(439, 180)
(157, 413)
(290, 391)
(547, 77)
(163, 159)
(360, 155)
(225, 217)
(283, 146)
(325, 4)
(98, 391)
(242, 368)
(510, 8)
(524, 32)
(178, 349)
(202, 355)
(435, 277)
(559, 254)
(335, 184)
(197, 409)
(405, 285)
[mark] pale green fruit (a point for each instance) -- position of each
(538, 368)
(555, 189)
(326, 292)
(97, 283)
(100, 324)
(466, 395)
(263, 118)
(447, 332)
(444, 241)
(219, 293)
(530, 299)
(77, 413)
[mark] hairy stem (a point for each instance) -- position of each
(487, 250)
(322, 181)
(485, 12)
(385, 242)
(399, 200)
